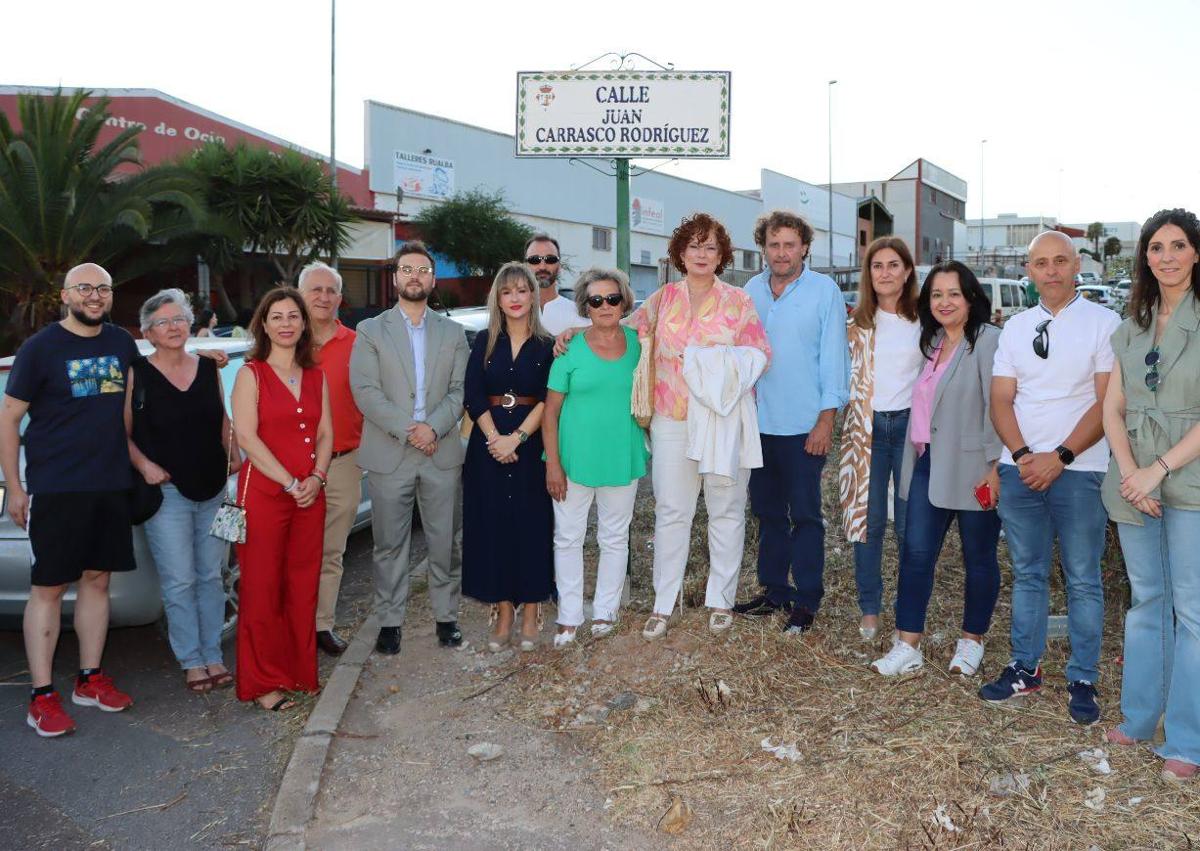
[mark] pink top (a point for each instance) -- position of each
(922, 400)
(726, 318)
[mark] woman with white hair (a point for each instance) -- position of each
(181, 440)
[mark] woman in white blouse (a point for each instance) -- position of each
(885, 358)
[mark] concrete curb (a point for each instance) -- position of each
(296, 799)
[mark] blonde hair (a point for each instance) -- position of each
(511, 275)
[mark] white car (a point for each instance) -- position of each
(1098, 293)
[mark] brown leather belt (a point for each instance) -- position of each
(508, 401)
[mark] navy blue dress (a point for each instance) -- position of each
(508, 521)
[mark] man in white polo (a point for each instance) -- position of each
(1048, 381)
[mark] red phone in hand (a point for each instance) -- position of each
(983, 495)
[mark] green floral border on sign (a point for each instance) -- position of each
(713, 152)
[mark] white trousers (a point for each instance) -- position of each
(614, 511)
(677, 482)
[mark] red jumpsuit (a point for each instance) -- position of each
(281, 559)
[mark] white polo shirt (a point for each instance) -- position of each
(1053, 394)
(559, 314)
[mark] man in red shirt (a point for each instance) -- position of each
(321, 287)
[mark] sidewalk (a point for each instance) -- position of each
(398, 773)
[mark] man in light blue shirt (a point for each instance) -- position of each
(798, 397)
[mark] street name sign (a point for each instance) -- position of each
(623, 114)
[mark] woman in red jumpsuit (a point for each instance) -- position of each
(281, 415)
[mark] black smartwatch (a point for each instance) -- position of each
(1021, 453)
(1065, 455)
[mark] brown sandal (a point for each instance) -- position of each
(221, 680)
(200, 686)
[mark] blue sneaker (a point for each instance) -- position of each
(1014, 681)
(1083, 706)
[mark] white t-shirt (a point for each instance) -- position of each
(1053, 394)
(898, 361)
(559, 314)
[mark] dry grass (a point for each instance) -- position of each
(877, 757)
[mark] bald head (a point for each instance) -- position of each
(1055, 235)
(87, 273)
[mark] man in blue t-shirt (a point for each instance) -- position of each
(70, 378)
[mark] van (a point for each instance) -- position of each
(1006, 294)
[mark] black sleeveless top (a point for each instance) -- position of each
(180, 430)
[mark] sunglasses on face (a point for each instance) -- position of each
(1041, 343)
(539, 259)
(1152, 377)
(612, 299)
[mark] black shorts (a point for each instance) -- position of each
(73, 532)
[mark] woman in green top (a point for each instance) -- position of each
(1152, 490)
(594, 450)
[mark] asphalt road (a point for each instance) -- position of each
(214, 762)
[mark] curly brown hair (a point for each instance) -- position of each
(261, 349)
(776, 219)
(699, 226)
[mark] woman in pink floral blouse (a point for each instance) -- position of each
(700, 310)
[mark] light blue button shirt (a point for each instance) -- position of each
(416, 338)
(810, 360)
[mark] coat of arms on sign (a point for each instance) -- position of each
(545, 95)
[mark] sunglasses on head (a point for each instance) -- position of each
(612, 299)
(1041, 343)
(539, 259)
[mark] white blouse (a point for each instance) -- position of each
(898, 361)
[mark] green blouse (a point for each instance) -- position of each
(599, 442)
(1157, 420)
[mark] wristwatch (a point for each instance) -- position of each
(1021, 453)
(521, 435)
(1065, 455)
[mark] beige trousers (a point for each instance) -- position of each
(342, 494)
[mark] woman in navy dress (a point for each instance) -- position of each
(508, 522)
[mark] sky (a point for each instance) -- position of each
(1089, 109)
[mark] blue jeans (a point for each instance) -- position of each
(1162, 632)
(785, 495)
(924, 534)
(189, 563)
(1071, 510)
(888, 430)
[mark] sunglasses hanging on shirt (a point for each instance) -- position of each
(1041, 343)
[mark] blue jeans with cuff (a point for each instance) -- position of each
(888, 430)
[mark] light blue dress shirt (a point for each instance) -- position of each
(416, 338)
(810, 360)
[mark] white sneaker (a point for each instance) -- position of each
(562, 639)
(656, 627)
(903, 658)
(718, 622)
(968, 654)
(599, 630)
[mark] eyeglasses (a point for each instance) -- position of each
(171, 320)
(612, 299)
(539, 259)
(420, 270)
(86, 290)
(1041, 343)
(1152, 377)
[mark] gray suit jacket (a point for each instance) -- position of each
(382, 377)
(963, 441)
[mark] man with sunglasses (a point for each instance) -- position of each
(406, 373)
(70, 378)
(544, 258)
(1048, 381)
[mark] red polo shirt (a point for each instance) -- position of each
(334, 360)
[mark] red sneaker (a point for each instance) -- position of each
(47, 716)
(99, 691)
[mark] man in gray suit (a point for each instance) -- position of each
(406, 373)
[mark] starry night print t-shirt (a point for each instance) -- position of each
(75, 387)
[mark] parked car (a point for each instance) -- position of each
(472, 319)
(1098, 293)
(1006, 295)
(135, 598)
(1091, 278)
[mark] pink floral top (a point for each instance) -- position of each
(922, 401)
(726, 318)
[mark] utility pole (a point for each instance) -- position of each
(332, 103)
(982, 240)
(829, 140)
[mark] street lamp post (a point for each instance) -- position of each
(982, 142)
(829, 140)
(332, 120)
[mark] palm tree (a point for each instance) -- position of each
(66, 199)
